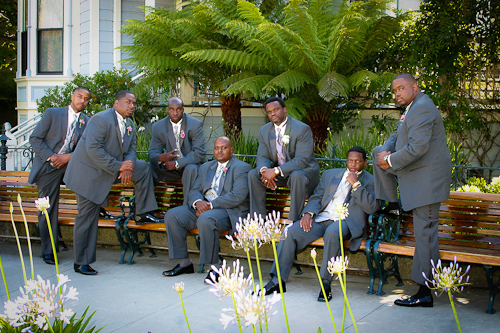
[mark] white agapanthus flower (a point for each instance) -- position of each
(40, 301)
(447, 279)
(229, 283)
(42, 203)
(336, 265)
(179, 287)
(342, 210)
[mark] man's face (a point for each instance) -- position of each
(175, 111)
(355, 161)
(125, 106)
(80, 99)
(223, 150)
(405, 91)
(275, 112)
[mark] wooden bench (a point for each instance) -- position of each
(13, 183)
(469, 230)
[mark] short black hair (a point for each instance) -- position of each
(407, 77)
(359, 150)
(275, 99)
(81, 88)
(122, 94)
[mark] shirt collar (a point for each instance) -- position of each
(222, 164)
(176, 125)
(120, 118)
(282, 126)
(72, 112)
(409, 106)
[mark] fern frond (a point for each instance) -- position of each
(333, 85)
(251, 86)
(287, 82)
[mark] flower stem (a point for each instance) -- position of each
(251, 269)
(18, 244)
(27, 236)
(344, 272)
(280, 283)
(185, 315)
(324, 293)
(4, 280)
(237, 314)
(454, 311)
(260, 276)
(52, 240)
(346, 301)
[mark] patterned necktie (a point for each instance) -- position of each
(66, 148)
(218, 174)
(177, 134)
(279, 148)
(123, 128)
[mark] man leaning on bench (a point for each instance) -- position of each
(91, 154)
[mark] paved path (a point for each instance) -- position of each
(137, 298)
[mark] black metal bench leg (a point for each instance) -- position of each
(119, 235)
(379, 261)
(493, 287)
(369, 261)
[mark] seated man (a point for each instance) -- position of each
(178, 146)
(320, 218)
(285, 157)
(218, 199)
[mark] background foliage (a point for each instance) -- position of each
(8, 61)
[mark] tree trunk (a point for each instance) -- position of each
(318, 121)
(231, 113)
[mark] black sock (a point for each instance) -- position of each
(423, 291)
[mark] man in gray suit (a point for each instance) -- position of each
(285, 158)
(53, 140)
(215, 204)
(178, 146)
(106, 155)
(418, 156)
(320, 218)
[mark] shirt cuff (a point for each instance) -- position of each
(281, 172)
(389, 161)
(263, 168)
(194, 203)
(312, 214)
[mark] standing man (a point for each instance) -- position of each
(178, 146)
(418, 156)
(53, 141)
(215, 204)
(106, 155)
(285, 157)
(320, 218)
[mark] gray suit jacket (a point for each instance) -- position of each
(192, 145)
(96, 161)
(49, 135)
(233, 188)
(299, 153)
(361, 204)
(420, 156)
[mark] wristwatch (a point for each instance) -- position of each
(277, 170)
(386, 157)
(356, 185)
(176, 165)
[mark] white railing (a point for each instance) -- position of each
(20, 156)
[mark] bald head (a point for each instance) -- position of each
(175, 109)
(223, 149)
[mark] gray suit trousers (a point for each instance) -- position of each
(210, 224)
(48, 184)
(298, 239)
(298, 182)
(188, 175)
(425, 223)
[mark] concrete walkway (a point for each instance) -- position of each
(137, 298)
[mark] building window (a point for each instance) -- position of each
(50, 37)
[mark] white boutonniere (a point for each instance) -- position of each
(285, 139)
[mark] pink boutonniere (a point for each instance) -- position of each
(129, 129)
(82, 122)
(403, 117)
(224, 170)
(182, 134)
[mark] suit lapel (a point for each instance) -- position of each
(183, 130)
(272, 142)
(210, 176)
(170, 134)
(288, 129)
(64, 120)
(117, 126)
(333, 188)
(223, 177)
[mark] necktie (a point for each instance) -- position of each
(279, 148)
(177, 134)
(66, 148)
(123, 128)
(349, 193)
(218, 174)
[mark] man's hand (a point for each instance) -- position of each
(125, 176)
(268, 178)
(380, 159)
(60, 160)
(170, 165)
(165, 157)
(352, 177)
(127, 165)
(201, 207)
(306, 222)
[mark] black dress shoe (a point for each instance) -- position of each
(49, 259)
(212, 277)
(328, 291)
(178, 270)
(104, 214)
(426, 301)
(392, 208)
(85, 270)
(271, 287)
(147, 218)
